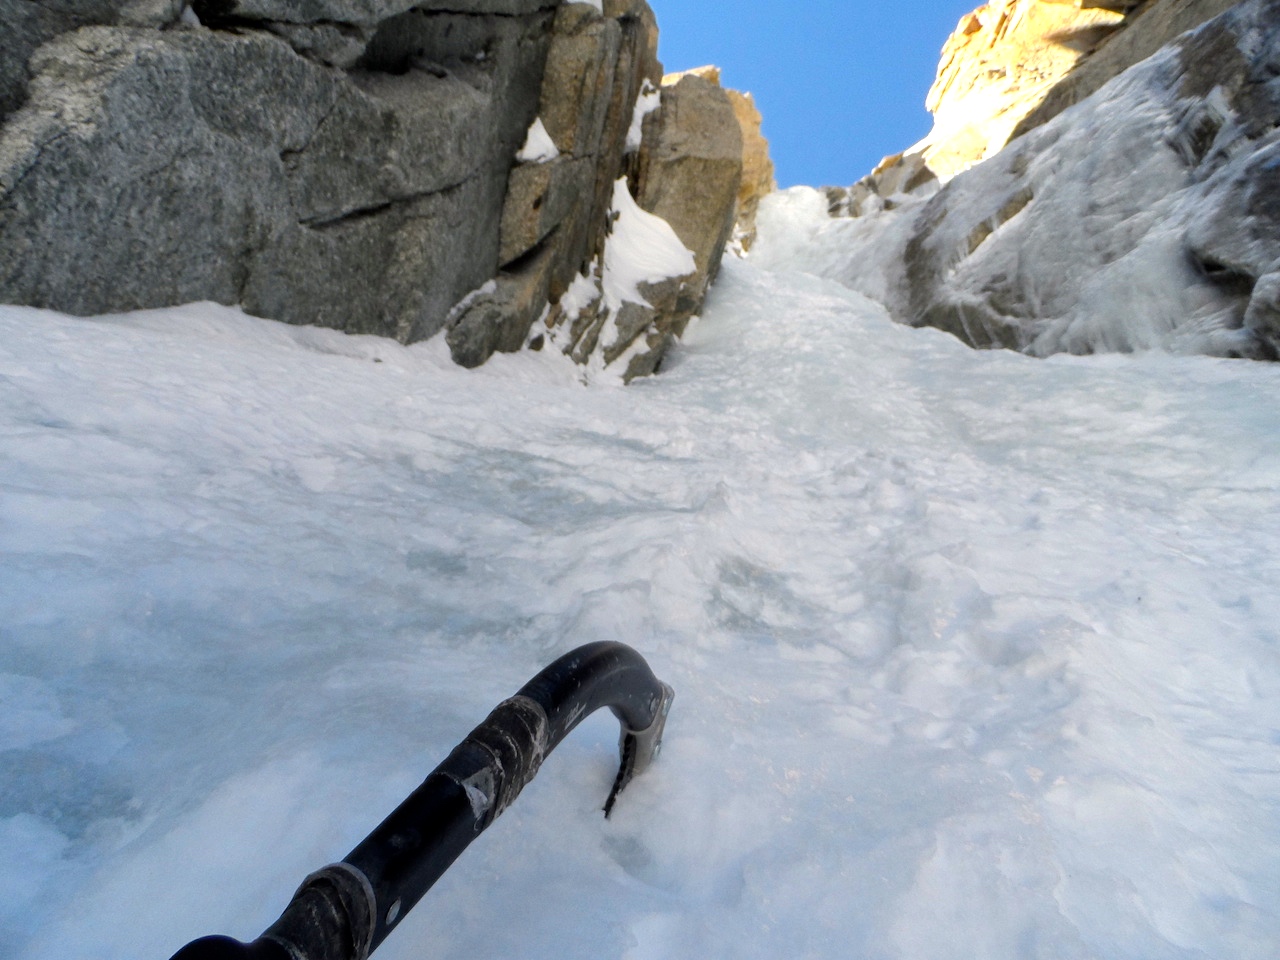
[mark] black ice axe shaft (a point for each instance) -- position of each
(345, 910)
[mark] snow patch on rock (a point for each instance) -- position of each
(538, 145)
(649, 100)
(641, 249)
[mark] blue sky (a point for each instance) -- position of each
(841, 83)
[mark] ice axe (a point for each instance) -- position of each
(345, 910)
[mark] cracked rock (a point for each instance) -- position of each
(151, 167)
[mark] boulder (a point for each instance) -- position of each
(757, 180)
(690, 170)
(497, 316)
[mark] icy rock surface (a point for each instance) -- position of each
(976, 656)
(1142, 218)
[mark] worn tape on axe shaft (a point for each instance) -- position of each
(331, 917)
(513, 741)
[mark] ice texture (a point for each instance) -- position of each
(975, 655)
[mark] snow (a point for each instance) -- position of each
(538, 145)
(583, 291)
(865, 253)
(649, 100)
(975, 655)
(459, 308)
(641, 248)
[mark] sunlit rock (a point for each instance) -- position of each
(1145, 217)
(757, 179)
(1149, 26)
(757, 168)
(998, 65)
(896, 180)
(1012, 65)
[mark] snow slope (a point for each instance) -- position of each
(976, 656)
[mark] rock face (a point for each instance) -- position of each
(1011, 66)
(1148, 27)
(1146, 216)
(896, 180)
(998, 65)
(757, 166)
(555, 211)
(686, 171)
(27, 25)
(161, 166)
(349, 163)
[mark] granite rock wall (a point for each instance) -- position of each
(348, 163)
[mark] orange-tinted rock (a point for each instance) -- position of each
(998, 65)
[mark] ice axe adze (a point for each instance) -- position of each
(345, 910)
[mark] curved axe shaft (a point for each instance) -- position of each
(345, 910)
